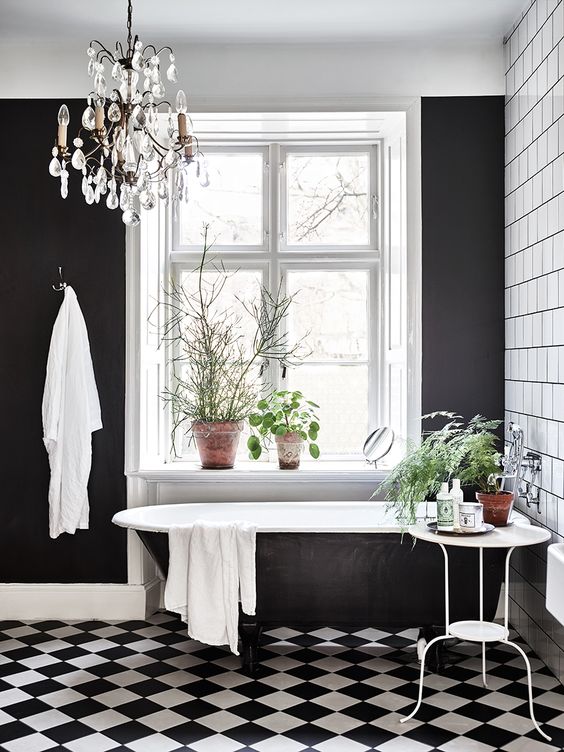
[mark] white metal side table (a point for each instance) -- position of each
(510, 537)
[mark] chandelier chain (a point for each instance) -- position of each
(129, 23)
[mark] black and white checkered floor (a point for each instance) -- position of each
(143, 686)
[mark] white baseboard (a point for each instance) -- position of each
(78, 601)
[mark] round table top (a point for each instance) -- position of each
(500, 537)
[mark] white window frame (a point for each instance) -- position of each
(275, 257)
(150, 478)
(374, 224)
(178, 247)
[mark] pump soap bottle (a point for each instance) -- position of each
(444, 510)
(457, 498)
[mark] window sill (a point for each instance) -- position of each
(247, 472)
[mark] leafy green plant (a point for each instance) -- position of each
(217, 369)
(279, 414)
(482, 463)
(442, 454)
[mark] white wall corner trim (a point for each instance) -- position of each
(79, 601)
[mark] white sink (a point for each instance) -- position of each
(555, 581)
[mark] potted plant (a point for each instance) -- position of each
(482, 470)
(217, 369)
(291, 420)
(437, 458)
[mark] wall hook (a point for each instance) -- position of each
(62, 284)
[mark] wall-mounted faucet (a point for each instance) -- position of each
(529, 488)
(516, 465)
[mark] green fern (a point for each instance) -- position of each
(456, 450)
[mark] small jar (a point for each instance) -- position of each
(471, 516)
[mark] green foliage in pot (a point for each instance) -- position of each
(217, 367)
(279, 414)
(441, 455)
(482, 463)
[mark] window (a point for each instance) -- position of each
(304, 218)
(324, 219)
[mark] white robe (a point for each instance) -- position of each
(71, 411)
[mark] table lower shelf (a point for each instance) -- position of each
(478, 631)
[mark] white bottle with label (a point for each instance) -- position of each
(457, 498)
(445, 520)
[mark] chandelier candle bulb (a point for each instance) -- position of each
(99, 118)
(182, 131)
(63, 119)
(189, 151)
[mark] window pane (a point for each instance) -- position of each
(331, 312)
(240, 287)
(328, 199)
(342, 394)
(231, 204)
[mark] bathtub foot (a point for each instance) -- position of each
(436, 657)
(426, 634)
(249, 632)
(421, 644)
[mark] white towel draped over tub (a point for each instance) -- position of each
(71, 411)
(211, 565)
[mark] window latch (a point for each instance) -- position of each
(284, 369)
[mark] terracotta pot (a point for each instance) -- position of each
(290, 447)
(497, 507)
(217, 443)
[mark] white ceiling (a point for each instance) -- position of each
(260, 20)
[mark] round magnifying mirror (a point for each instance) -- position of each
(378, 444)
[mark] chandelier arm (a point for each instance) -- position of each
(103, 48)
(149, 47)
(156, 104)
(162, 150)
(119, 44)
(91, 156)
(159, 172)
(118, 176)
(105, 55)
(152, 102)
(166, 47)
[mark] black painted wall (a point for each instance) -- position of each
(462, 186)
(462, 153)
(40, 232)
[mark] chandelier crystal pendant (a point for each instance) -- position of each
(120, 148)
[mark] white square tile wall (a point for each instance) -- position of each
(534, 292)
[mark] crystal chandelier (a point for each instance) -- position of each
(120, 149)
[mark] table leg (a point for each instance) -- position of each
(481, 557)
(446, 636)
(530, 687)
(518, 647)
(421, 676)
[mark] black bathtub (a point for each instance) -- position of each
(339, 564)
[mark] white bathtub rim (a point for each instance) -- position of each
(130, 518)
